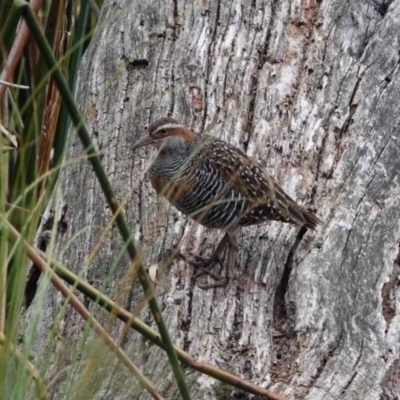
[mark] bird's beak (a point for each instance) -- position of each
(144, 141)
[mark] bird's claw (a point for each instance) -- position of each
(204, 266)
(203, 263)
(218, 283)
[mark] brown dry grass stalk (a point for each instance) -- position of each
(82, 310)
(53, 98)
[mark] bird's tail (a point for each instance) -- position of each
(302, 217)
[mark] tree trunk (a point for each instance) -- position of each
(312, 90)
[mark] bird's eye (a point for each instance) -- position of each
(162, 132)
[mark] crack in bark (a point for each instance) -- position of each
(43, 241)
(391, 382)
(381, 7)
(156, 81)
(325, 360)
(140, 216)
(352, 110)
(185, 322)
(231, 53)
(176, 19)
(255, 79)
(175, 34)
(338, 148)
(388, 291)
(172, 106)
(350, 381)
(387, 80)
(208, 68)
(309, 23)
(279, 312)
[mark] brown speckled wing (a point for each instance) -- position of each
(265, 199)
(238, 170)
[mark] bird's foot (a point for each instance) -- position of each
(200, 262)
(218, 283)
(204, 267)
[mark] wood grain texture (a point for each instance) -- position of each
(311, 90)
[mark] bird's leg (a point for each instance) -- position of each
(230, 267)
(204, 265)
(232, 255)
(230, 241)
(208, 262)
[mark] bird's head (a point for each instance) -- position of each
(166, 133)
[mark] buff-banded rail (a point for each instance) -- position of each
(217, 185)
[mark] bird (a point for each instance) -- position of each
(217, 185)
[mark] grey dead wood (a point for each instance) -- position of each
(312, 90)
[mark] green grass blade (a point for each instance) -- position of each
(108, 192)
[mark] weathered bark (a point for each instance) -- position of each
(312, 90)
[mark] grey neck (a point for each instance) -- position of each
(172, 158)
